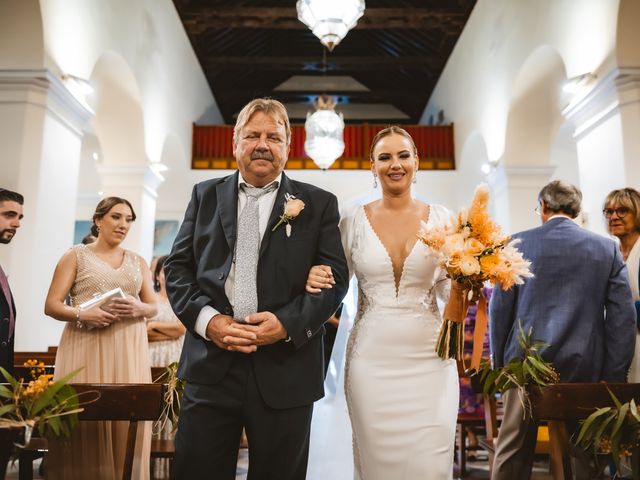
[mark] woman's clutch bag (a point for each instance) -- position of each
(102, 299)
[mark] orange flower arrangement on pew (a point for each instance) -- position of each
(473, 250)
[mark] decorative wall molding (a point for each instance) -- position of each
(45, 89)
(619, 87)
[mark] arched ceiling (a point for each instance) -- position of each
(383, 71)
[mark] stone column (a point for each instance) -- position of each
(138, 184)
(515, 195)
(41, 128)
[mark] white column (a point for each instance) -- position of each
(41, 127)
(515, 195)
(607, 139)
(138, 184)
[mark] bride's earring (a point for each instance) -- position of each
(375, 181)
(415, 179)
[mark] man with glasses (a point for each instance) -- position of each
(578, 304)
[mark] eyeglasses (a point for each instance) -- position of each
(620, 211)
(537, 209)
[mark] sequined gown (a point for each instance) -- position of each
(165, 352)
(402, 398)
(115, 354)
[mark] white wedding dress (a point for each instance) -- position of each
(402, 398)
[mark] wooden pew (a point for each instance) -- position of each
(564, 402)
(128, 402)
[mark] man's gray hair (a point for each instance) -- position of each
(268, 106)
(561, 197)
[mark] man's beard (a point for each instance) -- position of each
(6, 235)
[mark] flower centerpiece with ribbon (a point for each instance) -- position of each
(473, 250)
(49, 407)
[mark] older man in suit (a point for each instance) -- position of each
(579, 303)
(235, 277)
(10, 216)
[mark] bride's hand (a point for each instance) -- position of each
(320, 277)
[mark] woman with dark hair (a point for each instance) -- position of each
(165, 331)
(166, 336)
(108, 343)
(621, 210)
(402, 398)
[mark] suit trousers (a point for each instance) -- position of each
(516, 445)
(211, 422)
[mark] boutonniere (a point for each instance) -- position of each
(292, 208)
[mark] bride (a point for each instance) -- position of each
(402, 398)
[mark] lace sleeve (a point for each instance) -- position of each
(443, 285)
(349, 234)
(438, 216)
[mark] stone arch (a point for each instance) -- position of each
(118, 121)
(535, 109)
(176, 188)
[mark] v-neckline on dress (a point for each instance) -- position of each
(115, 269)
(397, 284)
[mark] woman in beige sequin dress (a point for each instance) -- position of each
(110, 346)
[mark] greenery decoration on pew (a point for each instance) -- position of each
(615, 431)
(51, 407)
(529, 370)
(172, 398)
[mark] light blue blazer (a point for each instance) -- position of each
(579, 302)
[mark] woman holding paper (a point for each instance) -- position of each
(107, 339)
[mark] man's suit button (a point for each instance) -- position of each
(220, 276)
(309, 334)
(4, 344)
(5, 320)
(227, 311)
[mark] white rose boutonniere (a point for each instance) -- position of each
(292, 208)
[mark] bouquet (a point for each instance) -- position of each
(473, 250)
(51, 407)
(616, 431)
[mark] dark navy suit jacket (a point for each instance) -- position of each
(289, 374)
(579, 302)
(6, 343)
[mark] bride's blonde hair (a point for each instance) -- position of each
(391, 130)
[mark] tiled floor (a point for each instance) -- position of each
(476, 470)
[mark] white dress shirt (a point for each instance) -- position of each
(265, 206)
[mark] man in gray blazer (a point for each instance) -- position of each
(578, 302)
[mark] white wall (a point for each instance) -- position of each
(159, 79)
(489, 87)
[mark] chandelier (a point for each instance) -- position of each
(330, 20)
(324, 142)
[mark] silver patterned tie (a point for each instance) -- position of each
(247, 250)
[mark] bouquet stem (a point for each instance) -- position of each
(451, 338)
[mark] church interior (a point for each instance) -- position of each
(138, 99)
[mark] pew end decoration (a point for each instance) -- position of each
(51, 408)
(531, 370)
(172, 399)
(473, 250)
(615, 431)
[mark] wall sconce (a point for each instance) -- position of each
(489, 167)
(578, 83)
(79, 84)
